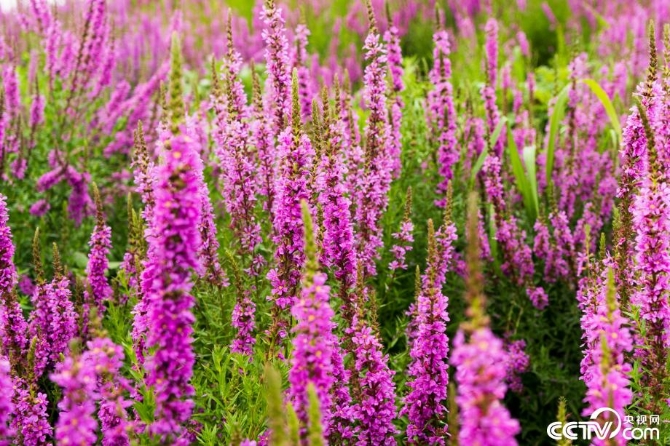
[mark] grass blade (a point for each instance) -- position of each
(529, 159)
(554, 123)
(607, 104)
(520, 176)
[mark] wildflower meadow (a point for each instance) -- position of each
(346, 222)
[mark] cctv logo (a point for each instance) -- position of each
(586, 430)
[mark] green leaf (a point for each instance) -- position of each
(493, 242)
(554, 123)
(604, 99)
(80, 259)
(520, 177)
(477, 167)
(529, 159)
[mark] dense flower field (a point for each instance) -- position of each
(348, 222)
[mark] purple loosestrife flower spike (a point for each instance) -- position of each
(517, 363)
(607, 339)
(300, 64)
(440, 111)
(62, 317)
(108, 359)
(11, 91)
(489, 89)
(278, 66)
(13, 326)
(36, 111)
(233, 148)
(39, 323)
(145, 179)
(651, 223)
(314, 341)
(491, 50)
(6, 404)
(338, 251)
(425, 403)
(77, 377)
(41, 13)
(371, 196)
(86, 379)
(394, 57)
(143, 168)
(177, 110)
(31, 422)
(243, 318)
(208, 252)
(295, 155)
(403, 238)
(633, 156)
(373, 390)
(40, 208)
(80, 201)
(167, 283)
(479, 360)
(8, 276)
(261, 137)
(339, 245)
(101, 244)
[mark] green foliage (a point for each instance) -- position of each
(315, 430)
(276, 412)
(557, 116)
(524, 175)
